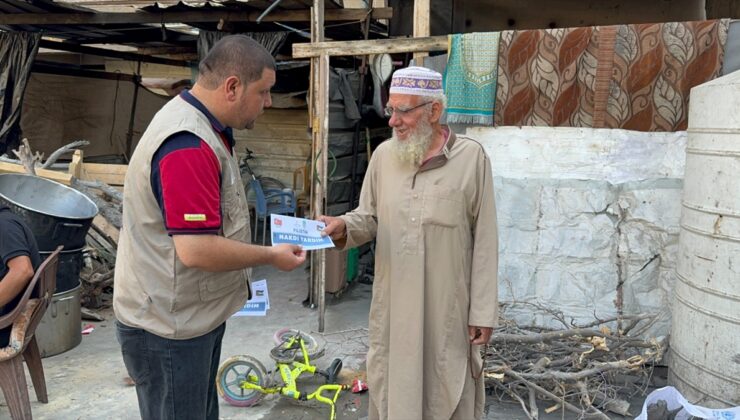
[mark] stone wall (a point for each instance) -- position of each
(588, 219)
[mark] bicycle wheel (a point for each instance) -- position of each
(269, 182)
(315, 347)
(233, 372)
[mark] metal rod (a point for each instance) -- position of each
(268, 10)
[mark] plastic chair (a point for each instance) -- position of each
(24, 318)
(270, 201)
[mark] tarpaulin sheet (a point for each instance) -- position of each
(17, 52)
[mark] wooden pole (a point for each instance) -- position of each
(323, 137)
(319, 129)
(421, 25)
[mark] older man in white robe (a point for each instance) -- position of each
(428, 199)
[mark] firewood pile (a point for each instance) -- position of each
(96, 277)
(585, 369)
(102, 242)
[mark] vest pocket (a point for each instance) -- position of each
(214, 288)
(236, 218)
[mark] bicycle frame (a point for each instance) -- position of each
(289, 372)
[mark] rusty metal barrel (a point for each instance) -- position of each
(704, 358)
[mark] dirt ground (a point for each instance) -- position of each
(87, 382)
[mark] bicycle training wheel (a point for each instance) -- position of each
(314, 346)
(233, 372)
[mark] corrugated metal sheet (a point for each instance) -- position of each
(131, 33)
(169, 34)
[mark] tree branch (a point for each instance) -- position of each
(26, 157)
(62, 150)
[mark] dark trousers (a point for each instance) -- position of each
(175, 379)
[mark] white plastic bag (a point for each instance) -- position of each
(674, 400)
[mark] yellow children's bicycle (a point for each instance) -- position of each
(243, 381)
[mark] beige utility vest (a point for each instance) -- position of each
(153, 289)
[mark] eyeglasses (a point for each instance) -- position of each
(389, 110)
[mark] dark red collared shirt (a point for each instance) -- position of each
(186, 178)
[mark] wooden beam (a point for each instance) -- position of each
(13, 168)
(718, 9)
(103, 224)
(375, 46)
(40, 19)
(102, 52)
(111, 174)
(167, 50)
(421, 24)
(47, 68)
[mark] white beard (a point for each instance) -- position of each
(413, 149)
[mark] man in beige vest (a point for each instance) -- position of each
(184, 254)
(427, 199)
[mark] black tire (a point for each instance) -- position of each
(315, 347)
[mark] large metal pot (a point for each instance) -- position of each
(56, 214)
(59, 329)
(68, 270)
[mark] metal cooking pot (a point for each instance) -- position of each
(68, 270)
(56, 214)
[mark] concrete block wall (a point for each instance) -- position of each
(588, 219)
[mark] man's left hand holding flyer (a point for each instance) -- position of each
(296, 231)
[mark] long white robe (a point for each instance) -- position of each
(436, 262)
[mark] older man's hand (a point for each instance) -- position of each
(479, 335)
(335, 227)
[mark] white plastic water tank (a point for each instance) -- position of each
(705, 331)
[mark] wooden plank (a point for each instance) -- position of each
(718, 9)
(107, 228)
(282, 117)
(375, 46)
(269, 149)
(102, 52)
(421, 24)
(110, 174)
(41, 19)
(303, 4)
(75, 167)
(277, 132)
(12, 168)
(278, 162)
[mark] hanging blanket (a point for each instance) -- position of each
(635, 77)
(470, 77)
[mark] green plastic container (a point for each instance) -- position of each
(353, 260)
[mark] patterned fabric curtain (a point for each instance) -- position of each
(17, 53)
(635, 77)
